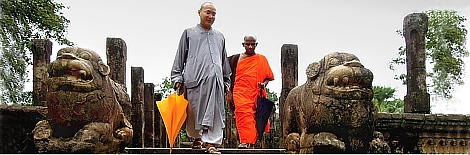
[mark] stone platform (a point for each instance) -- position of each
(202, 151)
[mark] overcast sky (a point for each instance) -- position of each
(366, 28)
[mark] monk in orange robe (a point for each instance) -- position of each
(250, 75)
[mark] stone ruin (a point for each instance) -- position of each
(309, 129)
(81, 126)
(84, 107)
(333, 111)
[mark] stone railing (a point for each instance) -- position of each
(16, 124)
(425, 133)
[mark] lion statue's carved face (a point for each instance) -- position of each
(341, 76)
(79, 89)
(77, 69)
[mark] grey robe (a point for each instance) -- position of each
(201, 64)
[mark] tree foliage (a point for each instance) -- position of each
(272, 96)
(20, 22)
(445, 50)
(385, 101)
(165, 88)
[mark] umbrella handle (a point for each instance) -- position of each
(179, 90)
(261, 90)
(261, 94)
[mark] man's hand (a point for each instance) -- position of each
(226, 88)
(229, 98)
(261, 86)
(177, 85)
(179, 89)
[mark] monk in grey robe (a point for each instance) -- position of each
(202, 67)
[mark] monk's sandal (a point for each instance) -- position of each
(246, 146)
(210, 148)
(197, 144)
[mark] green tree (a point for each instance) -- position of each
(395, 106)
(445, 50)
(385, 101)
(271, 95)
(20, 22)
(165, 88)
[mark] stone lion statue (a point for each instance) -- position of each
(333, 111)
(84, 107)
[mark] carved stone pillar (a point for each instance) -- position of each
(42, 50)
(415, 27)
(149, 103)
(116, 53)
(137, 100)
(289, 71)
(159, 126)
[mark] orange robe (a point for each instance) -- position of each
(249, 72)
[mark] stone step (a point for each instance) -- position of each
(202, 151)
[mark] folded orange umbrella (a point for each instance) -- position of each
(173, 112)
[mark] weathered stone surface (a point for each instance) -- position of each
(149, 102)
(336, 99)
(415, 27)
(42, 50)
(84, 112)
(289, 73)
(116, 54)
(425, 133)
(413, 121)
(16, 124)
(378, 145)
(158, 123)
(137, 117)
(323, 142)
(292, 143)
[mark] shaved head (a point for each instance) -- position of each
(202, 5)
(249, 36)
